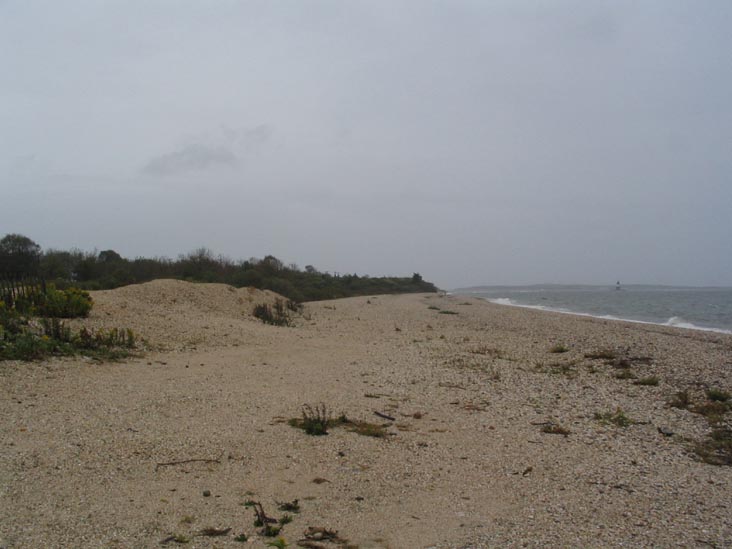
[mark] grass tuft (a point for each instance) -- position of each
(682, 400)
(554, 429)
(606, 354)
(716, 449)
(651, 381)
(617, 418)
(315, 420)
(718, 395)
(624, 374)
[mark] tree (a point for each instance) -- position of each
(109, 256)
(19, 255)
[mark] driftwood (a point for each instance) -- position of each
(214, 532)
(183, 461)
(261, 515)
(314, 535)
(385, 416)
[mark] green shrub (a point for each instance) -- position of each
(606, 354)
(716, 449)
(651, 381)
(617, 418)
(68, 303)
(277, 315)
(682, 399)
(718, 395)
(11, 322)
(554, 429)
(315, 420)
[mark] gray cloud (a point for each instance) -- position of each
(247, 138)
(510, 141)
(191, 158)
(224, 148)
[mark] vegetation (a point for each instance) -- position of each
(558, 349)
(651, 381)
(682, 399)
(289, 506)
(108, 269)
(602, 355)
(19, 255)
(24, 336)
(53, 303)
(316, 420)
(718, 395)
(617, 418)
(554, 429)
(277, 315)
(716, 449)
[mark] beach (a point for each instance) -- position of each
(505, 428)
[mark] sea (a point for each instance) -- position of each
(693, 308)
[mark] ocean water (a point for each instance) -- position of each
(694, 308)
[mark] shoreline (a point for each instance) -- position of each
(683, 325)
(495, 439)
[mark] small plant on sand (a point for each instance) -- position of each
(315, 419)
(277, 315)
(285, 519)
(433, 308)
(563, 368)
(486, 350)
(447, 312)
(606, 354)
(682, 399)
(270, 531)
(554, 429)
(718, 395)
(267, 523)
(279, 543)
(624, 374)
(241, 538)
(559, 348)
(617, 418)
(716, 449)
(289, 506)
(651, 381)
(713, 410)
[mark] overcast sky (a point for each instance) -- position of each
(475, 142)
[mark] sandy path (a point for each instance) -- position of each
(80, 441)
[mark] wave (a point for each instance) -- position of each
(674, 321)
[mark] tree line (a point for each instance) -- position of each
(21, 256)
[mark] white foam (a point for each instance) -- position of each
(674, 321)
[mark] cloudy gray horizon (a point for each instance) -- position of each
(474, 142)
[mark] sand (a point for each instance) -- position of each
(465, 462)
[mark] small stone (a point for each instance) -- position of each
(665, 431)
(207, 493)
